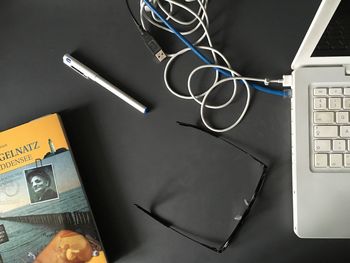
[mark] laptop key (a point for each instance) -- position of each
(342, 117)
(347, 160)
(335, 91)
(321, 160)
(326, 131)
(346, 91)
(345, 131)
(322, 145)
(335, 103)
(320, 104)
(336, 160)
(346, 103)
(339, 145)
(323, 117)
(320, 92)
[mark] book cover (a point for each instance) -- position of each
(44, 213)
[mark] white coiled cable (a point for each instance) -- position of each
(200, 21)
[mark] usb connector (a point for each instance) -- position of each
(149, 40)
(153, 46)
(287, 81)
(160, 55)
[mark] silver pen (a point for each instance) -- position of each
(90, 74)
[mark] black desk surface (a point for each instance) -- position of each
(125, 157)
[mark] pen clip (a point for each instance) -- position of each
(78, 71)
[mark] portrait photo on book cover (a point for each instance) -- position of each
(41, 184)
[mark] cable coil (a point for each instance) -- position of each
(149, 11)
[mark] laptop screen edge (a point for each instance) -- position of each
(318, 26)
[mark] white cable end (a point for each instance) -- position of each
(287, 81)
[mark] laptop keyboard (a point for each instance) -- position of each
(331, 128)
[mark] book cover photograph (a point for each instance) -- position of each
(44, 213)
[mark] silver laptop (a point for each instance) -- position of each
(321, 125)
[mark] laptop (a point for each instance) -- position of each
(321, 125)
